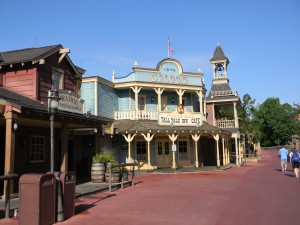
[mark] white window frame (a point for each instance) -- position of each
(37, 149)
(60, 74)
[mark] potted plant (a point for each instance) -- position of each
(115, 174)
(99, 161)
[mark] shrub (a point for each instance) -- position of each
(104, 156)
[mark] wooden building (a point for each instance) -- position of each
(26, 76)
(162, 118)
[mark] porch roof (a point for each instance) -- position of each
(138, 126)
(27, 104)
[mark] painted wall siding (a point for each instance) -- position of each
(209, 112)
(167, 78)
(22, 81)
(124, 100)
(87, 94)
(107, 101)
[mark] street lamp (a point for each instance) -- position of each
(53, 99)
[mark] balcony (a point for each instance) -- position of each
(133, 115)
(224, 123)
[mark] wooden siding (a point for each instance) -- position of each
(88, 95)
(124, 100)
(45, 72)
(107, 101)
(22, 81)
(209, 112)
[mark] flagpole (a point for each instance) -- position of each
(168, 46)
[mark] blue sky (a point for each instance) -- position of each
(260, 37)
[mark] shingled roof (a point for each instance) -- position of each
(28, 54)
(219, 54)
(153, 127)
(23, 102)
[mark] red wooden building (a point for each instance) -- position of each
(26, 76)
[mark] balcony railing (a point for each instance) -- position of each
(133, 115)
(225, 123)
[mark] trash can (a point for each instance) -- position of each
(68, 188)
(37, 199)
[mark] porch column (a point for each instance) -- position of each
(136, 90)
(224, 153)
(9, 146)
(200, 96)
(217, 137)
(236, 152)
(227, 150)
(180, 92)
(196, 138)
(204, 108)
(64, 136)
(173, 138)
(236, 122)
(240, 153)
(129, 140)
(148, 138)
(159, 91)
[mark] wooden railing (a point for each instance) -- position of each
(133, 115)
(225, 123)
(8, 177)
(122, 166)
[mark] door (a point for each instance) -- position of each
(163, 153)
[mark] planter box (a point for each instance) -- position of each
(115, 177)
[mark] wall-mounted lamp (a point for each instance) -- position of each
(172, 99)
(14, 126)
(152, 99)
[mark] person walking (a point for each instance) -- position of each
(283, 154)
(295, 159)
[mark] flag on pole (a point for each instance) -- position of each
(170, 49)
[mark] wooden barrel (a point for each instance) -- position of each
(98, 172)
(115, 177)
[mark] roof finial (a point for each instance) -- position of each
(136, 64)
(218, 43)
(199, 70)
(113, 76)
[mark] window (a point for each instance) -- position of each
(183, 150)
(37, 149)
(141, 151)
(141, 102)
(57, 79)
(164, 105)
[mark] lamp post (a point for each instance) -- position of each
(53, 99)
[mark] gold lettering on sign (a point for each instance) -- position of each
(159, 78)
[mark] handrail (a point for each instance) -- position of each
(122, 165)
(8, 177)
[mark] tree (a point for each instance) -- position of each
(276, 122)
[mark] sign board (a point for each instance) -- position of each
(179, 119)
(173, 148)
(70, 102)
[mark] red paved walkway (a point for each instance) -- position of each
(256, 194)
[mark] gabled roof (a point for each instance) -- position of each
(219, 54)
(35, 54)
(28, 54)
(23, 102)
